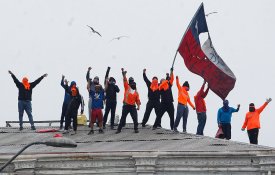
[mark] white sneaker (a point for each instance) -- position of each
(73, 133)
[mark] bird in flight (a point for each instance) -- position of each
(119, 37)
(93, 30)
(210, 13)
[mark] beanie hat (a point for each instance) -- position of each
(186, 84)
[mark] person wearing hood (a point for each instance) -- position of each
(111, 90)
(224, 118)
(75, 101)
(201, 108)
(252, 121)
(25, 97)
(182, 109)
(131, 98)
(67, 97)
(166, 104)
(91, 83)
(153, 98)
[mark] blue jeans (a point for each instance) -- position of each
(182, 112)
(201, 121)
(27, 106)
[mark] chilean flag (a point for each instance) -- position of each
(204, 60)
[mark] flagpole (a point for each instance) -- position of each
(185, 33)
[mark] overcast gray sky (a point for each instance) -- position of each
(39, 36)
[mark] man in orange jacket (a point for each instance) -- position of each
(252, 121)
(131, 98)
(182, 109)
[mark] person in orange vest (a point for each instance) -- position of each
(131, 98)
(201, 108)
(252, 121)
(182, 109)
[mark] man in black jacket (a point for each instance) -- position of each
(167, 100)
(25, 98)
(111, 90)
(75, 101)
(153, 98)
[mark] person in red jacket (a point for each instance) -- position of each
(201, 108)
(131, 98)
(252, 121)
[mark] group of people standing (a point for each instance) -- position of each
(160, 98)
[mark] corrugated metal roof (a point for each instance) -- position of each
(12, 140)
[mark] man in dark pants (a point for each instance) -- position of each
(72, 109)
(25, 98)
(167, 100)
(252, 121)
(224, 118)
(153, 98)
(67, 97)
(111, 90)
(131, 97)
(201, 108)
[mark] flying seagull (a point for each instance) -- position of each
(210, 13)
(119, 37)
(94, 31)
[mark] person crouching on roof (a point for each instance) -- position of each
(252, 121)
(166, 96)
(97, 106)
(182, 109)
(131, 97)
(72, 109)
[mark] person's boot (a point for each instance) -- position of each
(66, 132)
(136, 131)
(101, 131)
(118, 131)
(20, 128)
(91, 132)
(33, 127)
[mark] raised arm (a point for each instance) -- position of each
(33, 84)
(88, 74)
(171, 76)
(107, 76)
(16, 81)
(125, 82)
(178, 82)
(147, 81)
(264, 105)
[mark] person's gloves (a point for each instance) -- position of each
(268, 100)
(242, 129)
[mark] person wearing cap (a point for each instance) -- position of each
(130, 100)
(75, 101)
(91, 83)
(252, 121)
(201, 108)
(67, 97)
(97, 106)
(224, 118)
(166, 96)
(182, 109)
(111, 90)
(153, 98)
(25, 97)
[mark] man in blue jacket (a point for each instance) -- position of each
(25, 98)
(224, 118)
